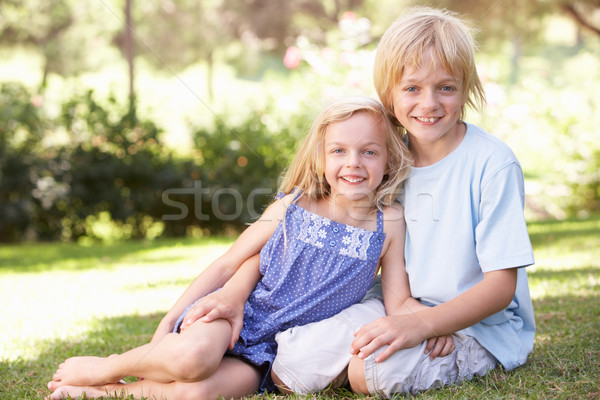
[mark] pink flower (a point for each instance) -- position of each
(292, 58)
(349, 15)
(37, 100)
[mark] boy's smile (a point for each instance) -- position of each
(428, 102)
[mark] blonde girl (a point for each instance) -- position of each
(334, 222)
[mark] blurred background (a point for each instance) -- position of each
(124, 119)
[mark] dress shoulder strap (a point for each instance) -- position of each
(379, 221)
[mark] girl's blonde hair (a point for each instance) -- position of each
(307, 170)
(406, 40)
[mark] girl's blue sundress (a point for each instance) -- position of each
(312, 268)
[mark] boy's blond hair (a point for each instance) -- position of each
(406, 40)
(307, 170)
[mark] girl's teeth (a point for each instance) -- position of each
(353, 180)
(432, 119)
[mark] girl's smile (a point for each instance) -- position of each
(355, 156)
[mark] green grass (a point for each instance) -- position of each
(60, 300)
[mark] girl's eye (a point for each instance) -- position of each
(411, 89)
(369, 152)
(447, 88)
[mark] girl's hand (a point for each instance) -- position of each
(440, 346)
(217, 305)
(396, 331)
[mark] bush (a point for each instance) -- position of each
(236, 168)
(113, 179)
(22, 127)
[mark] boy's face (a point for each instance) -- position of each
(428, 102)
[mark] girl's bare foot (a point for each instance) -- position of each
(72, 392)
(84, 371)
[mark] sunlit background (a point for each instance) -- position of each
(222, 89)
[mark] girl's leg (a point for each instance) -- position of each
(233, 378)
(191, 356)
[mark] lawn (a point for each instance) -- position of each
(60, 300)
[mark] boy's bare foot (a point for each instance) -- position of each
(83, 371)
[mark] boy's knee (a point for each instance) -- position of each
(283, 388)
(356, 376)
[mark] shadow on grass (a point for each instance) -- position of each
(27, 379)
(42, 257)
(564, 275)
(546, 233)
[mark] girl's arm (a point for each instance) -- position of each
(493, 294)
(248, 244)
(228, 303)
(394, 279)
(395, 284)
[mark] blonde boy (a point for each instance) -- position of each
(466, 245)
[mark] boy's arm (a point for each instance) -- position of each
(493, 294)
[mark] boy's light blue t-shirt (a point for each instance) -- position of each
(464, 217)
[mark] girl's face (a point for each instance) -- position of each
(355, 156)
(428, 103)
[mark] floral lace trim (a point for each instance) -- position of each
(357, 243)
(314, 228)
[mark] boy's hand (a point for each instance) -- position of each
(397, 331)
(217, 305)
(439, 346)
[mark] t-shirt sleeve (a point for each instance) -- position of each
(502, 240)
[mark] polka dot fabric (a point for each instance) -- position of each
(312, 269)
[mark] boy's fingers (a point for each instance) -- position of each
(449, 347)
(430, 344)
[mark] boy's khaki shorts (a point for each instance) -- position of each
(313, 356)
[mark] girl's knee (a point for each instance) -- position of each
(195, 391)
(195, 361)
(356, 376)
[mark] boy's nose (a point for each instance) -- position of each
(429, 100)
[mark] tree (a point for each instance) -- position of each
(62, 31)
(586, 13)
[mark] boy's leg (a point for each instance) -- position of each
(311, 357)
(190, 356)
(411, 371)
(246, 382)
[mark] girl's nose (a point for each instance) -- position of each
(353, 159)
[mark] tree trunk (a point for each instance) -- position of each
(129, 55)
(210, 76)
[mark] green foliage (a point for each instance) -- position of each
(21, 128)
(239, 163)
(113, 179)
